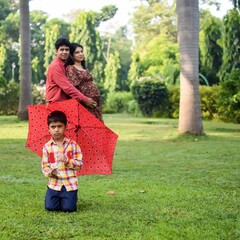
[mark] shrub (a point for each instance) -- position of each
(117, 102)
(9, 97)
(209, 101)
(150, 94)
(229, 100)
(38, 93)
(174, 99)
(133, 108)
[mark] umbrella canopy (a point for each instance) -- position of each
(95, 139)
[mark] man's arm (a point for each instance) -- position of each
(61, 80)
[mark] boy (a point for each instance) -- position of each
(61, 159)
(58, 87)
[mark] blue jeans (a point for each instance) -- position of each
(61, 200)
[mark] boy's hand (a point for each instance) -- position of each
(54, 172)
(62, 158)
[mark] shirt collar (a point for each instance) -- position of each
(61, 62)
(63, 142)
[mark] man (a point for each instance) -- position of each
(58, 87)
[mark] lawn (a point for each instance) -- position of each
(166, 186)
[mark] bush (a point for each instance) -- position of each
(174, 100)
(38, 93)
(151, 95)
(133, 108)
(9, 97)
(229, 100)
(209, 101)
(117, 102)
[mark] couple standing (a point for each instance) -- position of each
(67, 77)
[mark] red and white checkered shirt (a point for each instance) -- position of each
(67, 172)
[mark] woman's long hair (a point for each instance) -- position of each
(72, 50)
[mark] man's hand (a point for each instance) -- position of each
(91, 103)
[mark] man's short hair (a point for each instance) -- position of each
(62, 42)
(57, 116)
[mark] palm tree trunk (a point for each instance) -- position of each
(190, 118)
(25, 60)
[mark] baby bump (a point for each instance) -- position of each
(90, 90)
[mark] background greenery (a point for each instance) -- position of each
(166, 186)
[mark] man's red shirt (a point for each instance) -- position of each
(58, 87)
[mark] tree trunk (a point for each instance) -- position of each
(25, 61)
(190, 118)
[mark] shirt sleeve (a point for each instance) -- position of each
(62, 81)
(75, 160)
(46, 170)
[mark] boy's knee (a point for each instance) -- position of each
(49, 208)
(69, 209)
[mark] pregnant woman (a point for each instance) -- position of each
(81, 78)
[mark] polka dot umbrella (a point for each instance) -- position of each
(95, 139)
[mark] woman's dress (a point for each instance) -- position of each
(83, 81)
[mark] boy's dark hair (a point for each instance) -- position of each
(62, 41)
(57, 116)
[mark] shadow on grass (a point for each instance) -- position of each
(230, 130)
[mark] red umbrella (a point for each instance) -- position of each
(95, 139)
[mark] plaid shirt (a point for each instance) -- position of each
(67, 172)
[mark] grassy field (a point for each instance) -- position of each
(166, 186)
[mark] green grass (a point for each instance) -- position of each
(166, 186)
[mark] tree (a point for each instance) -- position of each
(161, 59)
(231, 41)
(25, 68)
(236, 4)
(210, 46)
(153, 18)
(119, 42)
(38, 20)
(111, 72)
(190, 119)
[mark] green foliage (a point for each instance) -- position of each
(133, 108)
(161, 58)
(174, 100)
(231, 42)
(83, 31)
(117, 102)
(9, 37)
(229, 99)
(210, 48)
(209, 101)
(38, 20)
(7, 7)
(9, 95)
(150, 94)
(236, 4)
(38, 93)
(149, 20)
(111, 72)
(120, 43)
(2, 58)
(106, 13)
(136, 69)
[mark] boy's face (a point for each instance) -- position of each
(57, 130)
(63, 52)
